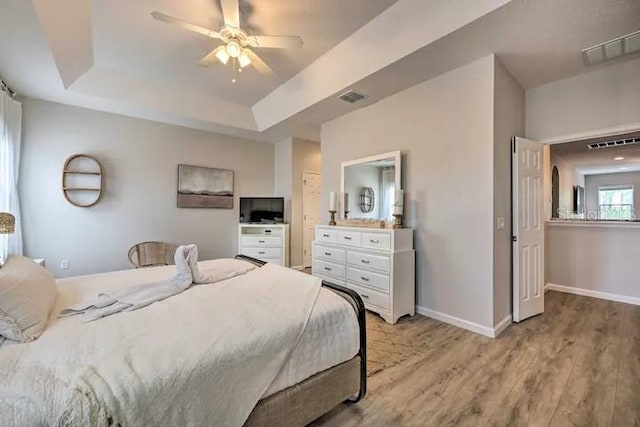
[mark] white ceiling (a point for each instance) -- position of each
(126, 38)
(111, 55)
(599, 161)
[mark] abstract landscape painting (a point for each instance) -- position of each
(200, 187)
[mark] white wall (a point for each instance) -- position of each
(509, 113)
(592, 182)
(444, 128)
(140, 161)
(593, 258)
(608, 97)
(283, 167)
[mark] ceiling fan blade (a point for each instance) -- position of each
(210, 58)
(276, 42)
(258, 63)
(231, 13)
(186, 25)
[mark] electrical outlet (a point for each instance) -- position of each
(500, 223)
(64, 264)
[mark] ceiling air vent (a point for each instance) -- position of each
(352, 96)
(611, 144)
(612, 49)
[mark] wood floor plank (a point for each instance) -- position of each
(577, 364)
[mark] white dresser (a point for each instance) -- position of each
(379, 264)
(266, 242)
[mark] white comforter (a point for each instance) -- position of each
(204, 357)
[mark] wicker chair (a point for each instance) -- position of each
(152, 254)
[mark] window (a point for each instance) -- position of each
(616, 202)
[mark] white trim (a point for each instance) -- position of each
(594, 294)
(596, 133)
(465, 324)
(590, 223)
(502, 325)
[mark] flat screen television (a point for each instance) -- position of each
(262, 210)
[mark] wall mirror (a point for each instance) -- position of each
(377, 176)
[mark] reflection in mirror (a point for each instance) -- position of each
(371, 184)
(596, 179)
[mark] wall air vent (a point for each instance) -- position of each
(612, 49)
(611, 144)
(352, 96)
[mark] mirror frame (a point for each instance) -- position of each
(397, 157)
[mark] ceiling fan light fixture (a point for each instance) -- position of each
(244, 59)
(222, 56)
(233, 49)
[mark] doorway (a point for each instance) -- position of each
(555, 192)
(311, 190)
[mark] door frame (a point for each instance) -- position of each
(548, 142)
(302, 216)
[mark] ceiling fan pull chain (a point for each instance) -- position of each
(233, 80)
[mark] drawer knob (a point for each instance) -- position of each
(325, 235)
(327, 268)
(261, 252)
(364, 296)
(374, 240)
(364, 261)
(261, 241)
(347, 238)
(267, 231)
(366, 279)
(327, 253)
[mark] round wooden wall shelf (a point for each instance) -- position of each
(82, 180)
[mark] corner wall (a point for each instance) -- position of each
(509, 121)
(444, 128)
(140, 161)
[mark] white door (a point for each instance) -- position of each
(528, 229)
(311, 188)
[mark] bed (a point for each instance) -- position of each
(326, 366)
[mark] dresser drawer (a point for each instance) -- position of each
(369, 296)
(330, 279)
(379, 241)
(261, 242)
(351, 238)
(262, 253)
(374, 262)
(324, 235)
(368, 279)
(329, 253)
(273, 260)
(329, 268)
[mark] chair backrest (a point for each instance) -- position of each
(151, 254)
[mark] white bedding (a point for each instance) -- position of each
(331, 337)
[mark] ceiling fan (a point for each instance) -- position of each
(237, 43)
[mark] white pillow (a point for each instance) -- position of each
(27, 295)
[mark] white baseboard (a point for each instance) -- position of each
(466, 324)
(594, 294)
(502, 325)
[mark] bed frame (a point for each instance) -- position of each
(304, 402)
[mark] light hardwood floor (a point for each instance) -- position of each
(577, 364)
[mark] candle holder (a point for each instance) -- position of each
(398, 221)
(332, 221)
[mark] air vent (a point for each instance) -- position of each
(611, 144)
(352, 96)
(612, 49)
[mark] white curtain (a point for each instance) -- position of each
(10, 129)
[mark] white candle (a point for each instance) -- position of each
(345, 202)
(398, 204)
(333, 201)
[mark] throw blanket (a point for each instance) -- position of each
(203, 357)
(141, 295)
